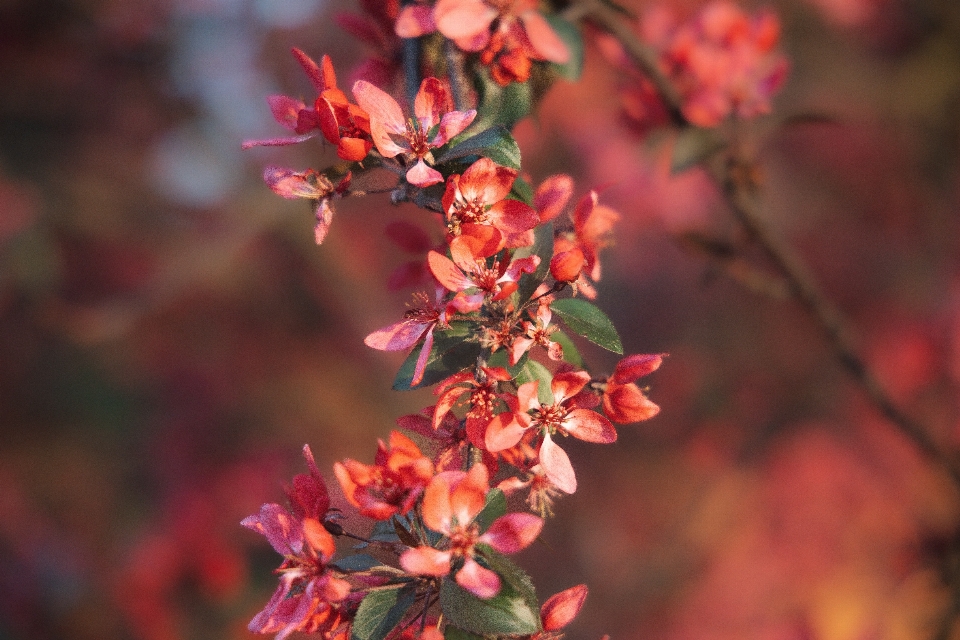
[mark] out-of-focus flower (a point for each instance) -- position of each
(310, 185)
(392, 484)
(576, 253)
(451, 502)
(394, 134)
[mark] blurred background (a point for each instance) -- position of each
(171, 336)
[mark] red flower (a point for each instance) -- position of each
(394, 134)
(310, 594)
(392, 484)
(537, 332)
(576, 254)
(479, 217)
(310, 185)
(474, 281)
(482, 400)
(623, 401)
(566, 415)
(559, 610)
(451, 502)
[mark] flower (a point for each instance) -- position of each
(419, 322)
(521, 34)
(479, 217)
(576, 253)
(567, 415)
(466, 273)
(451, 502)
(537, 332)
(623, 401)
(310, 593)
(394, 134)
(482, 387)
(311, 185)
(559, 610)
(392, 484)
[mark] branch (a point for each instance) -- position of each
(739, 194)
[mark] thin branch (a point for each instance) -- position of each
(740, 196)
(455, 72)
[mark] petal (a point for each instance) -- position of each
(513, 216)
(280, 527)
(285, 110)
(543, 38)
(451, 125)
(386, 116)
(504, 431)
(319, 538)
(556, 466)
(627, 403)
(589, 426)
(487, 181)
(430, 102)
(561, 608)
(421, 175)
(277, 142)
(421, 365)
(512, 532)
(636, 366)
(459, 19)
(477, 241)
(437, 511)
(470, 494)
(552, 196)
(398, 336)
(479, 581)
(292, 184)
(447, 273)
(568, 384)
(414, 21)
(322, 77)
(565, 266)
(354, 149)
(324, 214)
(426, 561)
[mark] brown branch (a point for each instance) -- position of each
(739, 193)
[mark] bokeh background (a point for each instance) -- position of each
(170, 335)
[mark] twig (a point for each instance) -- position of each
(741, 199)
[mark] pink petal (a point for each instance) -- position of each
(324, 213)
(386, 117)
(430, 102)
(470, 494)
(636, 366)
(421, 365)
(568, 384)
(426, 561)
(285, 110)
(503, 431)
(280, 527)
(487, 181)
(322, 77)
(513, 532)
(552, 196)
(277, 142)
(447, 273)
(513, 216)
(451, 125)
(561, 608)
(420, 174)
(479, 581)
(292, 184)
(543, 38)
(437, 512)
(398, 336)
(414, 21)
(556, 466)
(589, 426)
(460, 19)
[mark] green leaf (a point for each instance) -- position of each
(500, 105)
(533, 370)
(495, 143)
(357, 562)
(585, 319)
(453, 633)
(570, 352)
(512, 575)
(450, 354)
(521, 191)
(507, 613)
(692, 146)
(495, 507)
(542, 246)
(381, 611)
(572, 37)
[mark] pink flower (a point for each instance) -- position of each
(474, 281)
(482, 387)
(567, 415)
(623, 401)
(419, 322)
(394, 134)
(452, 501)
(537, 332)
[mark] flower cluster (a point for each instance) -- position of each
(510, 284)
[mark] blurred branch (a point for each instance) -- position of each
(733, 179)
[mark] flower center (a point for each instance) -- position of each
(550, 417)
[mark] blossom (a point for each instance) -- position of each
(474, 281)
(623, 401)
(723, 61)
(566, 415)
(537, 332)
(451, 502)
(576, 256)
(392, 484)
(522, 34)
(559, 610)
(310, 593)
(394, 134)
(341, 123)
(482, 400)
(419, 322)
(311, 185)
(478, 215)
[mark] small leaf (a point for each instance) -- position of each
(495, 143)
(404, 535)
(381, 611)
(542, 246)
(572, 37)
(495, 507)
(692, 146)
(585, 319)
(357, 562)
(500, 105)
(512, 575)
(570, 352)
(533, 370)
(507, 613)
